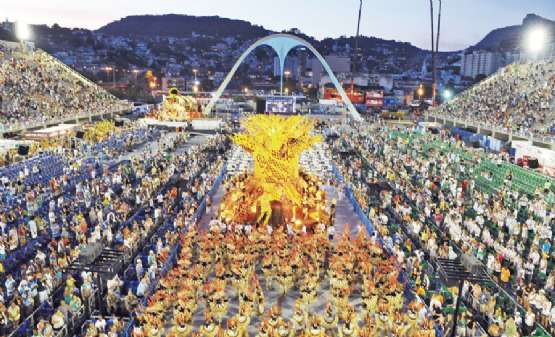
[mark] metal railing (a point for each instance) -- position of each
(531, 136)
(22, 126)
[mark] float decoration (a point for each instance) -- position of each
(277, 192)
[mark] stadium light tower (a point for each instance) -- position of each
(22, 31)
(536, 39)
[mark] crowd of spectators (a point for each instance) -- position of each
(36, 88)
(434, 199)
(518, 98)
(118, 192)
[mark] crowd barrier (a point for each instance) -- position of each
(202, 207)
(336, 174)
(349, 194)
(358, 211)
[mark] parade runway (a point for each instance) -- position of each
(344, 215)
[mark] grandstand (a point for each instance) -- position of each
(517, 99)
(490, 176)
(459, 200)
(36, 90)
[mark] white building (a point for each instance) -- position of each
(480, 62)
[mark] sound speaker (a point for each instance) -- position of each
(80, 134)
(119, 123)
(23, 150)
(260, 106)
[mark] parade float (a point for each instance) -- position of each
(278, 192)
(177, 108)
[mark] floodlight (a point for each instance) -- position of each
(22, 31)
(536, 39)
(447, 94)
(420, 91)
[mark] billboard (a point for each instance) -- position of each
(280, 104)
(356, 96)
(374, 98)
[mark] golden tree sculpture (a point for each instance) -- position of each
(276, 144)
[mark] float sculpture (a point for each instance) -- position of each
(178, 108)
(277, 184)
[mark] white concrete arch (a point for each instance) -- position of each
(282, 44)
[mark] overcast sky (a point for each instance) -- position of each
(464, 22)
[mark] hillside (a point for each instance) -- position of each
(509, 38)
(182, 26)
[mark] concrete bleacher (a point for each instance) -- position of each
(38, 90)
(490, 176)
(517, 99)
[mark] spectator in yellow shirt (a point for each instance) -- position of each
(505, 277)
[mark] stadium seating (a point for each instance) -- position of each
(518, 190)
(517, 98)
(35, 89)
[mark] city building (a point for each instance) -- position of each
(338, 64)
(480, 62)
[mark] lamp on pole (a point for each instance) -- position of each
(536, 39)
(355, 59)
(113, 71)
(420, 93)
(433, 52)
(22, 31)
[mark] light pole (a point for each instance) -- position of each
(355, 59)
(420, 93)
(113, 71)
(433, 52)
(22, 31)
(447, 94)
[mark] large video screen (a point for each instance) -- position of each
(280, 104)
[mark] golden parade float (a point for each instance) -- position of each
(177, 108)
(278, 192)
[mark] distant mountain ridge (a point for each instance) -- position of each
(178, 25)
(182, 26)
(509, 38)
